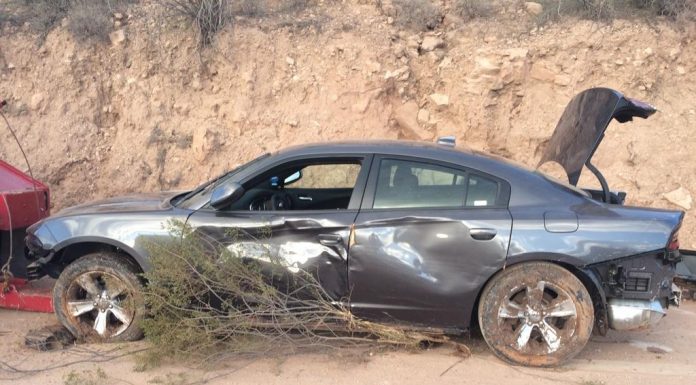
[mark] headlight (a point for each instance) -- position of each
(33, 242)
(34, 247)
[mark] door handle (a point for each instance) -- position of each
(483, 234)
(304, 198)
(330, 239)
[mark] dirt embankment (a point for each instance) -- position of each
(146, 112)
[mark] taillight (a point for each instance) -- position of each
(673, 244)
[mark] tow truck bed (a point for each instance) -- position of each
(23, 201)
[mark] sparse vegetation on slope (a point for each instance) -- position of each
(605, 10)
(87, 20)
(208, 17)
(471, 9)
(420, 15)
(93, 20)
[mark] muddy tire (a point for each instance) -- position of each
(98, 298)
(536, 314)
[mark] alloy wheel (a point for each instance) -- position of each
(537, 318)
(101, 302)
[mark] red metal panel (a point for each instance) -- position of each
(27, 198)
(23, 201)
(20, 295)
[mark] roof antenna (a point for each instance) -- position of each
(449, 141)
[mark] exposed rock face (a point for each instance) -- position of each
(36, 101)
(542, 73)
(203, 142)
(431, 43)
(423, 116)
(680, 197)
(406, 117)
(534, 8)
(440, 100)
(147, 112)
(117, 37)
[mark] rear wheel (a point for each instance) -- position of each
(536, 314)
(98, 297)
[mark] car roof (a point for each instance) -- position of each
(368, 146)
(459, 154)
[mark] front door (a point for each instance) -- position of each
(426, 239)
(299, 212)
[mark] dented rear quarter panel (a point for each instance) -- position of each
(605, 238)
(604, 233)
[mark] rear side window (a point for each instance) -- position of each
(408, 184)
(405, 184)
(481, 191)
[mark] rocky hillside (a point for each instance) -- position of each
(148, 111)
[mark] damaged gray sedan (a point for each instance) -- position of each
(408, 233)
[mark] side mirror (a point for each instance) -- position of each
(226, 194)
(294, 177)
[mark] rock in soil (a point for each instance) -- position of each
(49, 338)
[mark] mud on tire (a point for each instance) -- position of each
(98, 297)
(536, 314)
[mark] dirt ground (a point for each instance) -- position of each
(664, 354)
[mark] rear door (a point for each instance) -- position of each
(426, 239)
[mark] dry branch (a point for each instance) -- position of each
(209, 300)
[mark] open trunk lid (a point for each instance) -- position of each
(582, 125)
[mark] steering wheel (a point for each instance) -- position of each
(281, 201)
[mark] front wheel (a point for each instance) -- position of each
(99, 297)
(536, 314)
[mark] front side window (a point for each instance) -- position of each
(327, 176)
(312, 184)
(408, 184)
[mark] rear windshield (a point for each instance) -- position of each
(556, 182)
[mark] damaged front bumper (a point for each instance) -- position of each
(38, 255)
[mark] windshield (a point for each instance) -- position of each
(211, 184)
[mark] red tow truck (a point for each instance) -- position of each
(23, 201)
